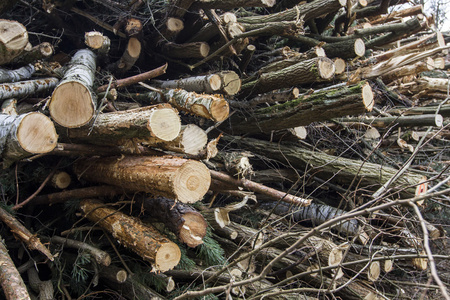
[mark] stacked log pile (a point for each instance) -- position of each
(237, 149)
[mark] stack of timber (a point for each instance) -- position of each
(237, 149)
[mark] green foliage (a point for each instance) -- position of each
(210, 251)
(148, 279)
(80, 273)
(185, 262)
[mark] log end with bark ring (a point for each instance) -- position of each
(61, 180)
(220, 110)
(191, 182)
(14, 39)
(439, 120)
(72, 104)
(388, 265)
(193, 230)
(174, 24)
(231, 83)
(164, 124)
(360, 47)
(215, 83)
(367, 97)
(36, 133)
(340, 66)
(325, 67)
(167, 257)
(335, 257)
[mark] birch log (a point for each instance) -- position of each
(167, 176)
(24, 135)
(145, 240)
(25, 88)
(17, 75)
(73, 102)
(213, 107)
(13, 40)
(154, 123)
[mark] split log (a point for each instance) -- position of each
(17, 75)
(25, 135)
(188, 50)
(213, 107)
(154, 123)
(230, 4)
(172, 177)
(21, 232)
(73, 101)
(368, 175)
(187, 223)
(435, 84)
(145, 240)
(403, 121)
(319, 106)
(192, 140)
(10, 279)
(25, 88)
(129, 57)
(259, 188)
(397, 15)
(308, 71)
(204, 84)
(13, 40)
(407, 70)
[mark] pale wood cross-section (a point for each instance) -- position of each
(13, 40)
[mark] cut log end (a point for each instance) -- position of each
(71, 105)
(360, 47)
(174, 25)
(215, 82)
(388, 265)
(14, 38)
(192, 182)
(164, 124)
(61, 180)
(220, 110)
(194, 139)
(335, 257)
(340, 65)
(134, 47)
(37, 134)
(204, 49)
(231, 83)
(367, 96)
(326, 68)
(167, 257)
(374, 271)
(193, 230)
(439, 120)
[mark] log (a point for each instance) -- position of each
(306, 11)
(371, 271)
(154, 123)
(408, 70)
(231, 83)
(13, 40)
(25, 135)
(213, 107)
(397, 15)
(203, 84)
(192, 140)
(269, 98)
(145, 240)
(61, 180)
(129, 57)
(183, 220)
(368, 175)
(113, 274)
(230, 4)
(73, 101)
(173, 177)
(403, 121)
(26, 88)
(42, 51)
(308, 71)
(12, 283)
(188, 50)
(319, 106)
(17, 75)
(97, 42)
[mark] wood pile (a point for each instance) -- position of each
(233, 149)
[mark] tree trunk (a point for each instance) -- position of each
(307, 71)
(73, 102)
(26, 88)
(154, 123)
(145, 240)
(336, 169)
(25, 135)
(187, 223)
(13, 286)
(172, 177)
(306, 109)
(13, 40)
(129, 57)
(213, 107)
